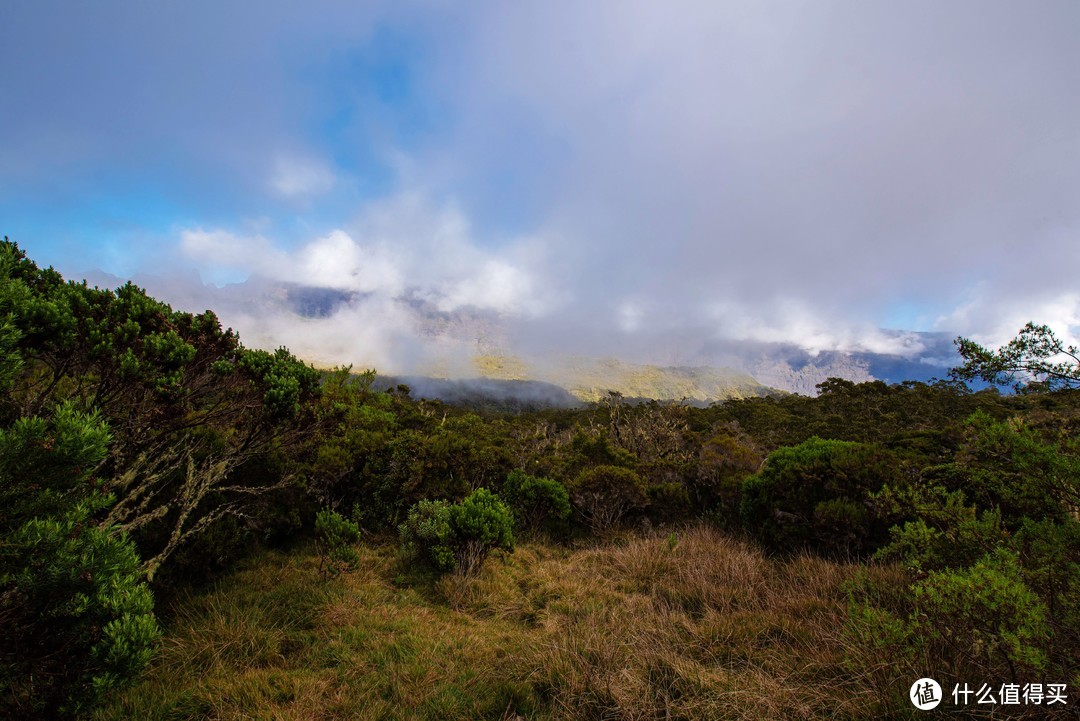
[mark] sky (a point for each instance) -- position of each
(582, 176)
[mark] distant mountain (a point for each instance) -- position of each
(467, 353)
(490, 393)
(590, 379)
(793, 369)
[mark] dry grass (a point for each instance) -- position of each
(706, 629)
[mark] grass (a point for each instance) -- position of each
(639, 628)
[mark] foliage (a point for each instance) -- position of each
(817, 495)
(334, 536)
(668, 502)
(984, 616)
(186, 403)
(76, 618)
(1035, 360)
(725, 460)
(604, 495)
(1001, 512)
(535, 501)
(458, 537)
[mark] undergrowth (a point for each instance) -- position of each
(699, 626)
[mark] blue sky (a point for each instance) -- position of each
(622, 171)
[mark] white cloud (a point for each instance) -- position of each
(790, 321)
(337, 261)
(628, 316)
(298, 177)
(993, 317)
(400, 250)
(220, 248)
(810, 161)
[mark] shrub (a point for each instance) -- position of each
(334, 536)
(458, 537)
(984, 617)
(668, 502)
(77, 618)
(817, 494)
(724, 462)
(605, 494)
(535, 501)
(428, 534)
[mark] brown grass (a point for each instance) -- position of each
(707, 628)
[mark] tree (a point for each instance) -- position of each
(1035, 360)
(76, 617)
(817, 494)
(187, 404)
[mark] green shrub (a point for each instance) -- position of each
(334, 536)
(458, 537)
(724, 462)
(605, 494)
(428, 535)
(77, 617)
(535, 501)
(983, 618)
(668, 502)
(817, 495)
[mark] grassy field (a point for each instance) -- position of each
(697, 626)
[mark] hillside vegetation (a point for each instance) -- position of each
(195, 529)
(591, 379)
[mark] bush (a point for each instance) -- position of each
(77, 618)
(535, 501)
(668, 502)
(605, 494)
(817, 495)
(983, 618)
(724, 462)
(458, 537)
(334, 536)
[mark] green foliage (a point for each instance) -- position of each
(864, 412)
(1035, 360)
(606, 494)
(335, 536)
(817, 495)
(1008, 466)
(597, 450)
(460, 536)
(285, 381)
(668, 502)
(186, 405)
(77, 617)
(725, 460)
(1008, 491)
(535, 501)
(984, 617)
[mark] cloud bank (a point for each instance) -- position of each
(639, 177)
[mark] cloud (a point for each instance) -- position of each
(294, 177)
(221, 248)
(617, 174)
(399, 247)
(789, 321)
(809, 165)
(993, 318)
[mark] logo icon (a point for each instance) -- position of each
(925, 694)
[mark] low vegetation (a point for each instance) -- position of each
(637, 628)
